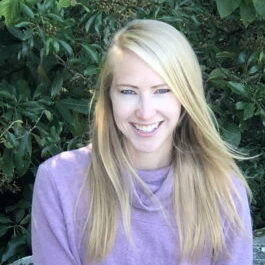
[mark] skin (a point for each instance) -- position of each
(140, 97)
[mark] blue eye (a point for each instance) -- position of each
(128, 92)
(162, 91)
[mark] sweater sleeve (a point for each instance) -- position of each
(50, 243)
(239, 245)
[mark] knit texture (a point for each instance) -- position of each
(58, 239)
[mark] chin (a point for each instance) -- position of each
(146, 149)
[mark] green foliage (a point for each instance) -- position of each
(9, 10)
(226, 7)
(65, 3)
(249, 9)
(50, 55)
(260, 7)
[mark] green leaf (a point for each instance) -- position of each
(91, 52)
(98, 22)
(261, 57)
(66, 46)
(260, 7)
(9, 10)
(48, 115)
(226, 7)
(12, 247)
(57, 84)
(23, 24)
(56, 46)
(39, 140)
(34, 106)
(32, 2)
(252, 58)
(21, 163)
(50, 150)
(25, 145)
(56, 18)
(74, 142)
(240, 105)
(19, 214)
(262, 112)
(5, 220)
(47, 45)
(157, 10)
(63, 4)
(79, 125)
(238, 88)
(48, 4)
(169, 19)
(262, 116)
(77, 105)
(19, 34)
(225, 54)
(65, 113)
(26, 10)
(11, 138)
(242, 57)
(253, 70)
(218, 73)
(247, 12)
(84, 6)
(249, 111)
(8, 164)
(232, 134)
(7, 95)
(25, 220)
(89, 22)
(4, 229)
(91, 70)
(23, 90)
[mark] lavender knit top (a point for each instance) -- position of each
(57, 239)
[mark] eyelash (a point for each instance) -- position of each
(163, 90)
(158, 91)
(127, 92)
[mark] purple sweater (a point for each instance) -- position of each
(55, 237)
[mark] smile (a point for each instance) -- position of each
(146, 128)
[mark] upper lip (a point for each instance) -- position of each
(148, 124)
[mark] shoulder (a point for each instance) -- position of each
(239, 186)
(64, 161)
(241, 195)
(66, 170)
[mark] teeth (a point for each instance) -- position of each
(146, 128)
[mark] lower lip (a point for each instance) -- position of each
(146, 134)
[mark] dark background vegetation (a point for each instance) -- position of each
(50, 54)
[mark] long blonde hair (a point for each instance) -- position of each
(203, 163)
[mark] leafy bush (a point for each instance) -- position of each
(50, 55)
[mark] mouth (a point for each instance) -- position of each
(147, 128)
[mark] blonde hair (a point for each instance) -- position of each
(203, 163)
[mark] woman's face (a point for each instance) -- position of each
(144, 108)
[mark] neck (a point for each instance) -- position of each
(148, 161)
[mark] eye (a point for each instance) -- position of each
(128, 92)
(162, 91)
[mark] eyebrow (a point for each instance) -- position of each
(136, 87)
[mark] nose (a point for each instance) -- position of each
(145, 108)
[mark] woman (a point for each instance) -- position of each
(160, 186)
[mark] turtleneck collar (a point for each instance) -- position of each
(159, 182)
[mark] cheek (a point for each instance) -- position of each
(121, 114)
(174, 112)
(170, 107)
(178, 109)
(122, 109)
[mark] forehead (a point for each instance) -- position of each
(129, 67)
